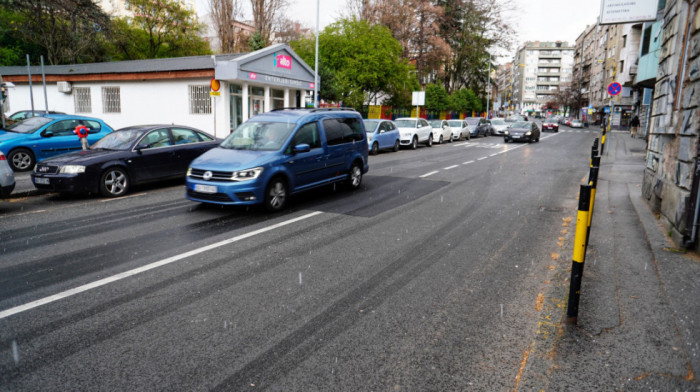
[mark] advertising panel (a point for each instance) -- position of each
(626, 11)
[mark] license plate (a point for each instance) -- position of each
(516, 137)
(205, 188)
(40, 180)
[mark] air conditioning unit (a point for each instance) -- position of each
(64, 87)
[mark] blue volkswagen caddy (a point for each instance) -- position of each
(279, 153)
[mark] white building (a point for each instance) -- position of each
(170, 91)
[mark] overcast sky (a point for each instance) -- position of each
(533, 20)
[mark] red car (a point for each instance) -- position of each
(550, 124)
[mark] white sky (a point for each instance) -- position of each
(533, 20)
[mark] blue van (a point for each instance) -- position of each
(279, 153)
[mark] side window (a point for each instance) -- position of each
(343, 130)
(307, 134)
(63, 128)
(384, 127)
(391, 126)
(184, 136)
(157, 138)
(204, 137)
(93, 126)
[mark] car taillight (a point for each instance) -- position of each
(2, 157)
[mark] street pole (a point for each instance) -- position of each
(43, 81)
(316, 68)
(31, 90)
(488, 93)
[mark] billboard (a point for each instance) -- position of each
(627, 11)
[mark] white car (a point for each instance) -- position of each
(459, 129)
(499, 126)
(576, 124)
(7, 177)
(413, 131)
(441, 131)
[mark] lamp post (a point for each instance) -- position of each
(488, 92)
(316, 67)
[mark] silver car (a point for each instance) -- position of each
(7, 177)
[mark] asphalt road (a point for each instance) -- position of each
(427, 278)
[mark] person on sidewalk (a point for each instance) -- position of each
(634, 126)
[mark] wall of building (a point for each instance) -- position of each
(669, 178)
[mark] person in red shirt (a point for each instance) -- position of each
(82, 132)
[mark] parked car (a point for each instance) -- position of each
(441, 131)
(526, 131)
(123, 158)
(37, 138)
(382, 135)
(499, 126)
(277, 154)
(24, 114)
(460, 129)
(576, 123)
(484, 128)
(550, 124)
(7, 177)
(472, 125)
(413, 131)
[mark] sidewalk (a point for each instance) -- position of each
(639, 316)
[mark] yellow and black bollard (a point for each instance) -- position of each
(579, 256)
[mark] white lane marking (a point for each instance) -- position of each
(450, 167)
(428, 174)
(482, 158)
(467, 162)
(126, 274)
(493, 155)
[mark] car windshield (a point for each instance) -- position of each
(256, 135)
(370, 125)
(521, 124)
(121, 139)
(455, 123)
(472, 121)
(29, 125)
(406, 123)
(435, 123)
(498, 122)
(483, 121)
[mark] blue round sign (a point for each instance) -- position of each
(614, 88)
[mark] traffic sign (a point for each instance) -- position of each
(614, 88)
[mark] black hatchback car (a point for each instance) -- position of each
(125, 157)
(522, 131)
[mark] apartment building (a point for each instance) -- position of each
(539, 71)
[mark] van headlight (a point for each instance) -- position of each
(72, 169)
(248, 174)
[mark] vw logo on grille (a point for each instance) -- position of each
(43, 169)
(207, 175)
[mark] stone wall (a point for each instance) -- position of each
(673, 141)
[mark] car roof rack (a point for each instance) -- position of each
(314, 109)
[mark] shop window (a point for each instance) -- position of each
(83, 102)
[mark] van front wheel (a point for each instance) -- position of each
(276, 194)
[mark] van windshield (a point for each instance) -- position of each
(256, 135)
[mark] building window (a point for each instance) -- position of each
(622, 66)
(83, 103)
(277, 99)
(200, 102)
(111, 100)
(624, 41)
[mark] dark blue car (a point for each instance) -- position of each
(37, 138)
(279, 153)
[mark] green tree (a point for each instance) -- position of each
(436, 97)
(256, 41)
(158, 29)
(67, 31)
(363, 60)
(465, 100)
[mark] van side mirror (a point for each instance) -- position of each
(303, 147)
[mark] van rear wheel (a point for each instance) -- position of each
(355, 177)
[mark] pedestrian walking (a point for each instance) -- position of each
(82, 132)
(634, 126)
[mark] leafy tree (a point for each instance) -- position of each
(364, 60)
(256, 41)
(12, 46)
(436, 97)
(465, 100)
(68, 31)
(159, 28)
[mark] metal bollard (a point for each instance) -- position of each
(593, 182)
(579, 256)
